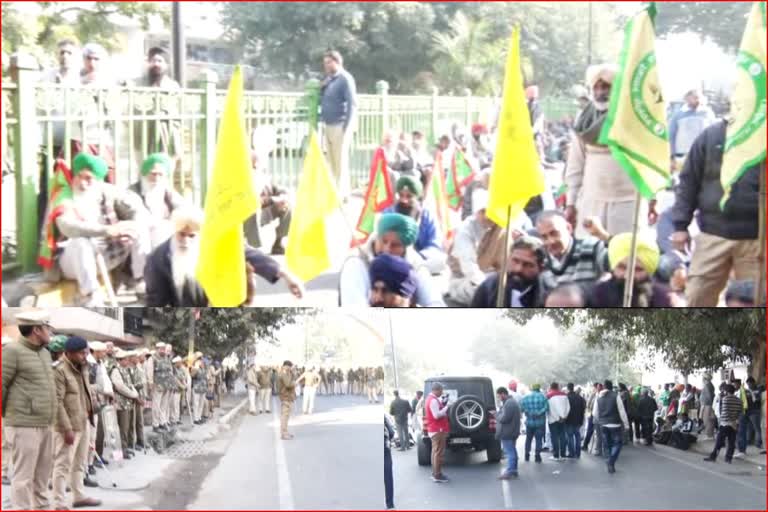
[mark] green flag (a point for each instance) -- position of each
(745, 144)
(459, 176)
(635, 128)
(379, 196)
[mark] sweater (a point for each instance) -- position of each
(584, 264)
(508, 420)
(29, 391)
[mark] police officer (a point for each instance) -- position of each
(125, 397)
(286, 389)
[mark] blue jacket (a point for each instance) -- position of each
(685, 126)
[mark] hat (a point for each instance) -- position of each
(411, 184)
(156, 159)
(176, 359)
(479, 200)
(403, 225)
(97, 346)
(95, 164)
(536, 387)
(604, 72)
(187, 216)
(33, 318)
(159, 344)
(396, 273)
(479, 129)
(198, 355)
(57, 343)
(121, 354)
(647, 251)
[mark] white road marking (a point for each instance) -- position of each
(285, 494)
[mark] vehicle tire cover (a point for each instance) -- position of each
(467, 410)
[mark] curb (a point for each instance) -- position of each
(227, 418)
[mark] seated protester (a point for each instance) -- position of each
(393, 282)
(663, 436)
(275, 204)
(673, 273)
(480, 145)
(423, 162)
(526, 287)
(170, 271)
(481, 181)
(646, 293)
(741, 294)
(681, 436)
(571, 260)
(429, 241)
(398, 161)
(566, 296)
(99, 219)
(159, 197)
(477, 250)
(395, 235)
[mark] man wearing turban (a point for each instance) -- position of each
(158, 195)
(393, 282)
(597, 185)
(395, 235)
(428, 241)
(98, 218)
(646, 293)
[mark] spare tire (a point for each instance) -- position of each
(467, 414)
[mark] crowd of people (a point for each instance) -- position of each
(61, 441)
(599, 419)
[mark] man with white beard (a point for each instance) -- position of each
(170, 270)
(159, 197)
(99, 219)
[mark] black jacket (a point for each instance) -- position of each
(161, 291)
(485, 295)
(577, 407)
(646, 408)
(700, 189)
(400, 409)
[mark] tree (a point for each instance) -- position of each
(220, 331)
(723, 23)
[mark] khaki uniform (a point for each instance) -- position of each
(252, 379)
(371, 383)
(73, 414)
(125, 395)
(180, 381)
(311, 382)
(6, 455)
(199, 387)
(162, 386)
(286, 389)
(264, 377)
(139, 381)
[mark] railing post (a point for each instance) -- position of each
(434, 121)
(208, 143)
(27, 170)
(382, 89)
(468, 108)
(312, 99)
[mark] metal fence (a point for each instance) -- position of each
(43, 121)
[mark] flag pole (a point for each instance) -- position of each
(505, 261)
(630, 281)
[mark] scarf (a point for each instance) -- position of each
(589, 124)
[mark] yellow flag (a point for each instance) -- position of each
(229, 202)
(306, 254)
(745, 143)
(635, 128)
(516, 175)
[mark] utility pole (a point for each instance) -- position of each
(589, 37)
(179, 44)
(394, 352)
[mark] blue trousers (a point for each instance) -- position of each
(510, 449)
(389, 482)
(530, 434)
(612, 441)
(573, 440)
(557, 433)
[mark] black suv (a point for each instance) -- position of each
(472, 415)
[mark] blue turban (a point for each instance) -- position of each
(403, 225)
(396, 273)
(75, 344)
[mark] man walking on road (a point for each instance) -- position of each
(337, 113)
(438, 428)
(400, 409)
(609, 411)
(646, 408)
(730, 415)
(252, 380)
(535, 407)
(286, 389)
(508, 418)
(27, 373)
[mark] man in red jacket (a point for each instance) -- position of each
(438, 428)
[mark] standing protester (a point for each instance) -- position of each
(590, 419)
(535, 406)
(559, 407)
(646, 409)
(754, 411)
(731, 411)
(27, 372)
(125, 396)
(609, 409)
(686, 125)
(337, 113)
(286, 389)
(706, 414)
(438, 427)
(573, 423)
(400, 409)
(508, 418)
(389, 481)
(74, 414)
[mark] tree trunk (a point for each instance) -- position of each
(757, 364)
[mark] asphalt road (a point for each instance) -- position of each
(332, 463)
(657, 478)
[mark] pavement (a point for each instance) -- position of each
(333, 463)
(646, 478)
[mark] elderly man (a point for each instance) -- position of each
(395, 235)
(571, 260)
(103, 395)
(125, 397)
(526, 285)
(74, 414)
(429, 240)
(159, 197)
(477, 250)
(597, 185)
(275, 204)
(161, 382)
(99, 221)
(286, 389)
(393, 282)
(170, 270)
(27, 372)
(646, 293)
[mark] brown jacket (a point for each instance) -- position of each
(264, 379)
(75, 403)
(286, 385)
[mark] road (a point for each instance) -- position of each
(657, 478)
(332, 463)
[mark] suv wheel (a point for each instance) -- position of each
(468, 414)
(424, 452)
(494, 451)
